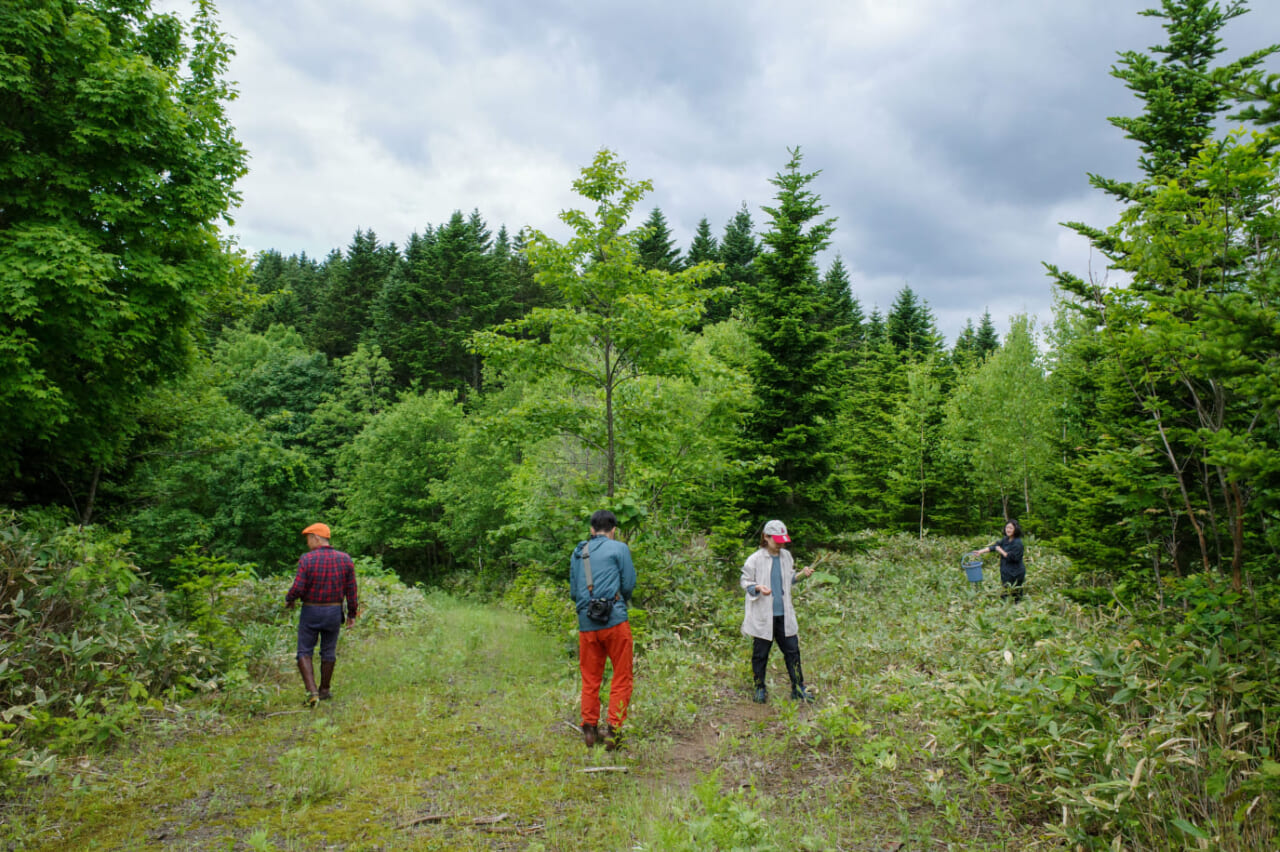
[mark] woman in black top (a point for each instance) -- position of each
(1012, 571)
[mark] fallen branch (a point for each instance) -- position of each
(606, 769)
(287, 713)
(488, 820)
(420, 820)
(575, 727)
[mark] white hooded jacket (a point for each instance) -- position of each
(758, 621)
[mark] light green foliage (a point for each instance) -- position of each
(87, 643)
(619, 321)
(1000, 419)
(915, 436)
(117, 163)
(387, 473)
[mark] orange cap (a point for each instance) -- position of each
(321, 530)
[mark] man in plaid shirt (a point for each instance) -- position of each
(325, 577)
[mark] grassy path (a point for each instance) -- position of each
(459, 736)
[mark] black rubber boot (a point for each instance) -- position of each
(326, 678)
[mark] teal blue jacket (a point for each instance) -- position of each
(612, 575)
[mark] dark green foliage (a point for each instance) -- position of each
(799, 369)
(910, 326)
(351, 283)
(292, 288)
(738, 251)
(388, 474)
(450, 283)
(222, 482)
(986, 341)
(116, 163)
(656, 249)
(705, 249)
(844, 311)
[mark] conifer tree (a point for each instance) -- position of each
(447, 286)
(657, 248)
(910, 325)
(353, 282)
(987, 340)
(738, 252)
(798, 367)
(844, 313)
(704, 249)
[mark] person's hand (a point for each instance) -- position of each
(351, 621)
(289, 604)
(807, 572)
(764, 590)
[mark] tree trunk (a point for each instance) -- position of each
(87, 515)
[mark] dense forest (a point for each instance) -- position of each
(456, 404)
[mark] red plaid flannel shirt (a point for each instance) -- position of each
(324, 576)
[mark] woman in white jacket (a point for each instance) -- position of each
(767, 576)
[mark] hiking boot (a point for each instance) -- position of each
(313, 698)
(325, 695)
(761, 696)
(612, 738)
(590, 735)
(799, 693)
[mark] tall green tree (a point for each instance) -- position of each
(845, 312)
(352, 283)
(910, 325)
(619, 321)
(738, 251)
(799, 368)
(117, 164)
(657, 248)
(916, 425)
(449, 284)
(1179, 240)
(1001, 417)
(705, 249)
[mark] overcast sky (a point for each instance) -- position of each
(952, 136)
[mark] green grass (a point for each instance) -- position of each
(439, 730)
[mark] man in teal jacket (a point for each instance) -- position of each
(603, 629)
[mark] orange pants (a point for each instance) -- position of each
(594, 646)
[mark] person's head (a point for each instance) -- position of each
(604, 521)
(1011, 529)
(774, 535)
(317, 535)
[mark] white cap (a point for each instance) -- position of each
(777, 530)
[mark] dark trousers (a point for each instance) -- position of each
(790, 646)
(1012, 582)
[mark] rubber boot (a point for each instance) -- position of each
(798, 692)
(326, 677)
(590, 735)
(308, 680)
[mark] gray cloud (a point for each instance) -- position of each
(952, 135)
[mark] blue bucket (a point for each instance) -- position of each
(972, 566)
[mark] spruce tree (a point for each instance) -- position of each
(987, 340)
(910, 326)
(844, 314)
(795, 404)
(353, 282)
(704, 249)
(657, 248)
(738, 252)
